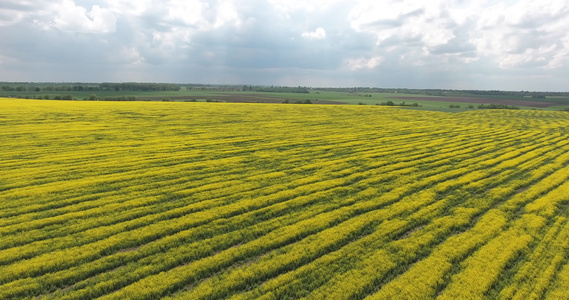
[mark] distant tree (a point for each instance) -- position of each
(283, 89)
(497, 106)
(136, 86)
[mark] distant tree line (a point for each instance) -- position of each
(497, 106)
(446, 92)
(282, 89)
(80, 87)
(139, 87)
(215, 88)
(246, 88)
(94, 97)
(46, 97)
(391, 103)
(37, 87)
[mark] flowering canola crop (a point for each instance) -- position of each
(149, 200)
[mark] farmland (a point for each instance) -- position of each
(275, 201)
(418, 99)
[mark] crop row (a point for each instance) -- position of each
(207, 201)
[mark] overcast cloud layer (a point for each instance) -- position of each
(455, 44)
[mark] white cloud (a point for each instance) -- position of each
(512, 34)
(72, 18)
(317, 34)
(128, 7)
(430, 22)
(127, 55)
(227, 14)
(362, 63)
(287, 6)
(67, 16)
(525, 34)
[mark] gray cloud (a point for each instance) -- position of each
(443, 43)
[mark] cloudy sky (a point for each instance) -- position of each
(453, 44)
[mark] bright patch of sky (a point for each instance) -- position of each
(453, 44)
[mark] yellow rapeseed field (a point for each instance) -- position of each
(145, 200)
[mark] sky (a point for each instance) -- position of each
(438, 44)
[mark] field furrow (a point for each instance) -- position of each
(148, 200)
